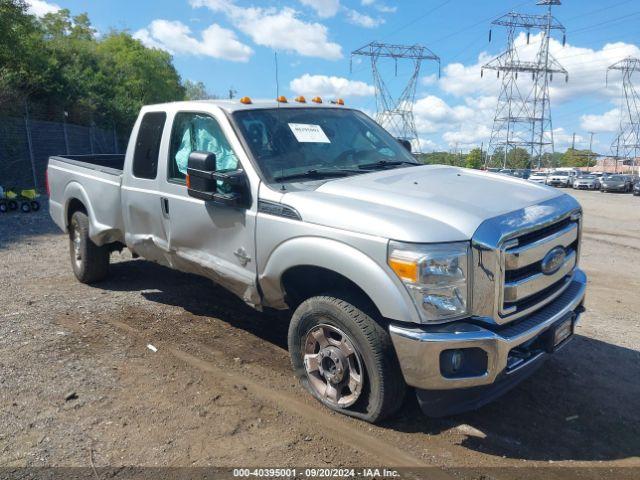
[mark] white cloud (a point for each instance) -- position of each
(367, 3)
(324, 8)
(330, 87)
(362, 20)
(278, 29)
(40, 8)
(177, 38)
(586, 68)
(607, 122)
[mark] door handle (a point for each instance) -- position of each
(164, 202)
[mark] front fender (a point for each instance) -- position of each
(386, 292)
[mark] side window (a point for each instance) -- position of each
(197, 132)
(145, 157)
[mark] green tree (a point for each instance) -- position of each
(578, 158)
(474, 159)
(132, 75)
(197, 91)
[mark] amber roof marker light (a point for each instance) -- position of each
(281, 99)
(246, 100)
(301, 99)
(316, 100)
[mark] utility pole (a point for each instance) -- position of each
(392, 112)
(573, 142)
(523, 117)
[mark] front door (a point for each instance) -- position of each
(207, 238)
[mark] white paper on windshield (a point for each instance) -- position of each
(307, 133)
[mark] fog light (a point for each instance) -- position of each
(463, 362)
(456, 360)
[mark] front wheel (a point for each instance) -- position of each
(345, 358)
(90, 262)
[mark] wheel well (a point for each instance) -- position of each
(75, 205)
(306, 281)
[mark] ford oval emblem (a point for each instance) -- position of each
(553, 260)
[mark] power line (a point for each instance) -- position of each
(396, 113)
(523, 118)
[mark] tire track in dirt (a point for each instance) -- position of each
(327, 424)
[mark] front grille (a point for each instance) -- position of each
(525, 286)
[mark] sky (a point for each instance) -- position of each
(231, 44)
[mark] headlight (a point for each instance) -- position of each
(435, 276)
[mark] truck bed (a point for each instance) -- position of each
(112, 164)
(94, 181)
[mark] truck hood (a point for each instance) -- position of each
(429, 203)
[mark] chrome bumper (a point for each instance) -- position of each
(419, 349)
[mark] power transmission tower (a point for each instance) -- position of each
(523, 113)
(396, 113)
(626, 145)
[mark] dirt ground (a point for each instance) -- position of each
(79, 386)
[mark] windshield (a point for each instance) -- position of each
(290, 141)
(586, 177)
(615, 178)
(561, 174)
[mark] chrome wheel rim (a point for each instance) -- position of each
(76, 241)
(333, 365)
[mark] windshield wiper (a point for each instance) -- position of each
(386, 164)
(318, 173)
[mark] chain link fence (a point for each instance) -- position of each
(26, 145)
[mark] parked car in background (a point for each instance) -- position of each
(586, 182)
(523, 173)
(538, 177)
(636, 189)
(506, 171)
(560, 179)
(617, 183)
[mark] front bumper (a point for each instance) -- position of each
(506, 351)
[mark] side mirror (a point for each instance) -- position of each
(229, 188)
(405, 143)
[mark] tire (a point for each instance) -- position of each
(25, 207)
(13, 205)
(3, 207)
(35, 205)
(347, 321)
(90, 263)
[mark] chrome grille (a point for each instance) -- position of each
(525, 286)
(507, 278)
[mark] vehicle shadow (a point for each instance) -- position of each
(581, 405)
(197, 295)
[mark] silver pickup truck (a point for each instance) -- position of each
(455, 282)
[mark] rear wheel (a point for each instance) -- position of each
(3, 207)
(13, 205)
(25, 207)
(345, 358)
(90, 262)
(35, 205)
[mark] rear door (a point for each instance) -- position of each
(207, 238)
(142, 204)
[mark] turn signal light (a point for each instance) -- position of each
(404, 269)
(246, 100)
(340, 101)
(282, 99)
(316, 100)
(188, 180)
(301, 99)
